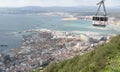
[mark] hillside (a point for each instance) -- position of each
(105, 58)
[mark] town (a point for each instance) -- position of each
(46, 46)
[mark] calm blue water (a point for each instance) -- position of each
(17, 23)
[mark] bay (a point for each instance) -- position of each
(19, 23)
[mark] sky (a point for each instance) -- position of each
(62, 3)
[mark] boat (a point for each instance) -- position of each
(3, 45)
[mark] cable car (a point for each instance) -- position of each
(100, 21)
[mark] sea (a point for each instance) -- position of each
(17, 23)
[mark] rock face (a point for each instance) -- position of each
(45, 46)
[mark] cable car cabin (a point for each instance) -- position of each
(100, 21)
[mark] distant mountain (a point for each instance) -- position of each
(38, 9)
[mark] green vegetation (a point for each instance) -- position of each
(105, 58)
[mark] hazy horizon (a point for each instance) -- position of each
(62, 6)
(58, 3)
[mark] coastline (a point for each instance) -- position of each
(46, 46)
(70, 18)
(43, 46)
